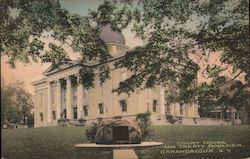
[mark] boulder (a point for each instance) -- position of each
(118, 132)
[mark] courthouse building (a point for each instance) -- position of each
(60, 94)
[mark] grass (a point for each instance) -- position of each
(58, 142)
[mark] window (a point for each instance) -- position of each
(101, 108)
(65, 113)
(181, 108)
(124, 76)
(41, 99)
(54, 115)
(85, 110)
(168, 108)
(41, 116)
(74, 94)
(123, 105)
(154, 105)
(75, 112)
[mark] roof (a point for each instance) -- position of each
(108, 35)
(42, 80)
(61, 66)
(72, 63)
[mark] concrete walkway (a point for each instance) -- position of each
(120, 151)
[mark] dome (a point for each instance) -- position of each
(110, 36)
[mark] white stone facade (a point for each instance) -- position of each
(61, 94)
(53, 91)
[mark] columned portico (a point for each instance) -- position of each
(68, 98)
(79, 96)
(58, 98)
(49, 102)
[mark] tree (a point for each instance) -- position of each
(234, 94)
(24, 103)
(16, 104)
(173, 29)
(8, 110)
(144, 122)
(177, 30)
(27, 24)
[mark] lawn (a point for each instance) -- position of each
(58, 143)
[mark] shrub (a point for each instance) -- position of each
(82, 121)
(195, 120)
(63, 122)
(144, 122)
(117, 117)
(171, 119)
(91, 132)
(180, 120)
(99, 119)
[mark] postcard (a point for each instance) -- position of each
(125, 79)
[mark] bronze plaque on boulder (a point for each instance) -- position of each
(118, 132)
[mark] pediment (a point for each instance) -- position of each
(60, 66)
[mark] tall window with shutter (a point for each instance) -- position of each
(123, 104)
(154, 105)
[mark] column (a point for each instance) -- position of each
(172, 108)
(68, 96)
(162, 102)
(49, 103)
(194, 109)
(79, 96)
(148, 101)
(177, 109)
(36, 114)
(188, 107)
(58, 99)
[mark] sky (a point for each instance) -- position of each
(34, 71)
